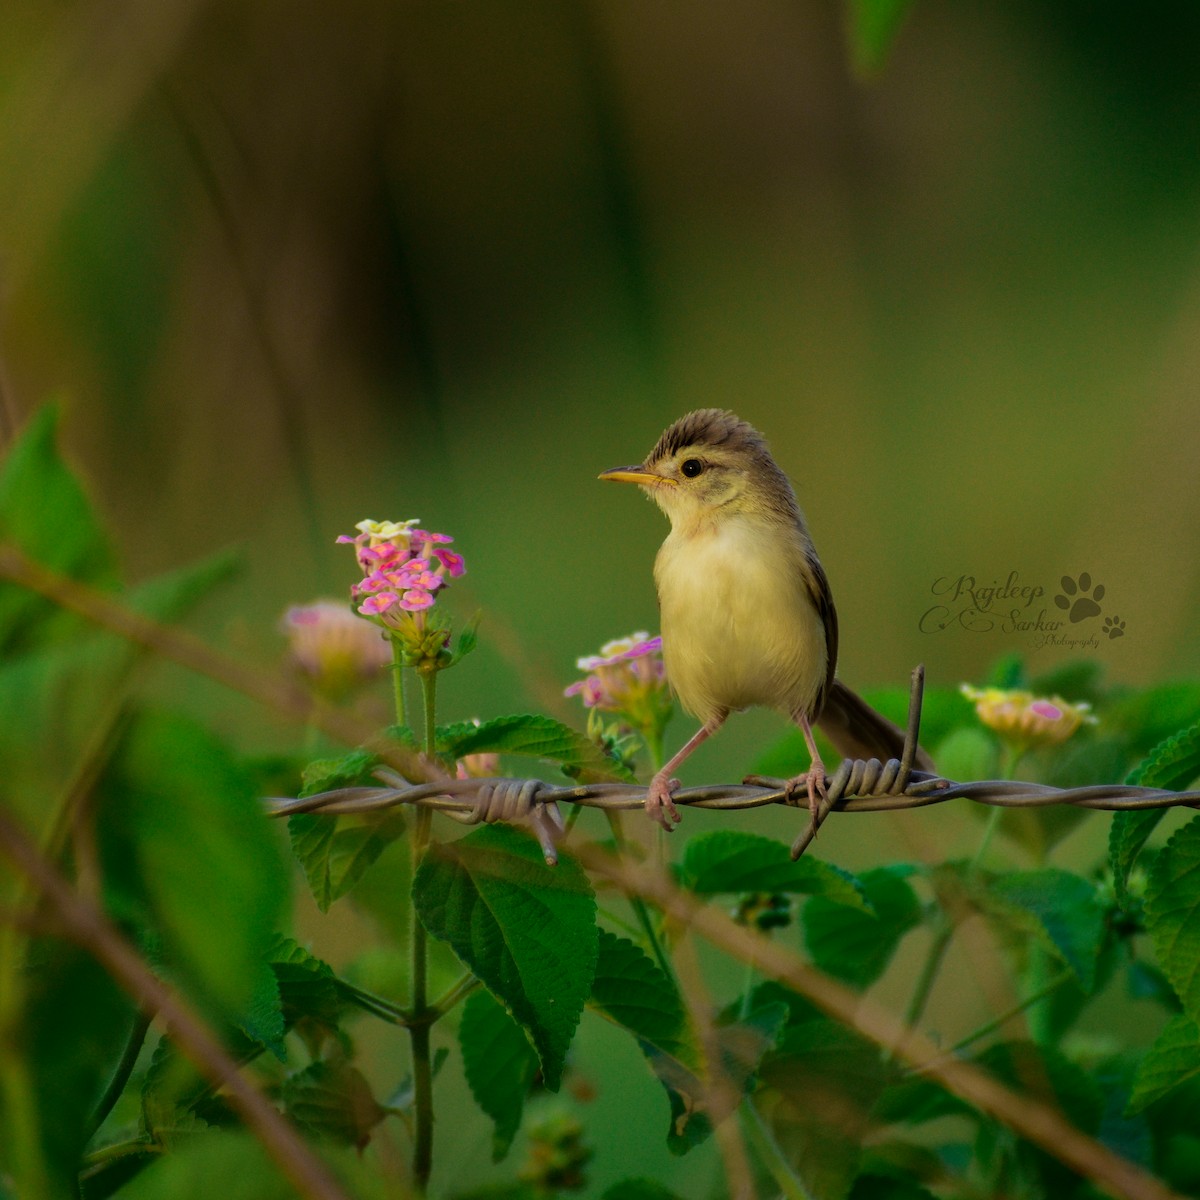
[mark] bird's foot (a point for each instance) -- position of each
(659, 805)
(813, 781)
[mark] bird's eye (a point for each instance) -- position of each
(691, 467)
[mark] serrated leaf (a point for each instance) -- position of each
(528, 931)
(727, 860)
(333, 1100)
(263, 1020)
(857, 946)
(534, 736)
(499, 1064)
(1173, 913)
(630, 989)
(1171, 765)
(335, 851)
(1172, 1060)
(1058, 907)
(346, 770)
(307, 985)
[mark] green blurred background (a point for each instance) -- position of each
(296, 265)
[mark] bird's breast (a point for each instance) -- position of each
(738, 623)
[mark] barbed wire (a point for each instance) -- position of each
(857, 786)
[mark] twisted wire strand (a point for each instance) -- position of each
(857, 786)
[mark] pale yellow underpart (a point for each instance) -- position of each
(738, 625)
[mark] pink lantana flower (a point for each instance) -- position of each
(332, 648)
(627, 678)
(403, 568)
(1027, 720)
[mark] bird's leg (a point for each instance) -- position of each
(659, 805)
(814, 778)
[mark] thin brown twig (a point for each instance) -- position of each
(110, 613)
(93, 932)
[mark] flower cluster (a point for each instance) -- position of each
(402, 567)
(333, 648)
(626, 673)
(627, 678)
(1024, 719)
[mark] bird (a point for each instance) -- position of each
(747, 615)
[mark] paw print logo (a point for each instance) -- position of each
(1114, 627)
(1079, 598)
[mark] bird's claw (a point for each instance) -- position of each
(660, 808)
(813, 781)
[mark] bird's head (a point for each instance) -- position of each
(708, 466)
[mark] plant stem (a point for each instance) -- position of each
(419, 1032)
(929, 972)
(639, 905)
(769, 1154)
(116, 1085)
(398, 681)
(1015, 1011)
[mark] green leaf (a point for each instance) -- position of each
(335, 851)
(1044, 1072)
(528, 931)
(346, 770)
(71, 1034)
(857, 946)
(535, 736)
(1057, 907)
(727, 860)
(45, 513)
(1171, 765)
(468, 639)
(263, 1020)
(499, 1063)
(888, 1187)
(638, 1189)
(1173, 913)
(816, 1093)
(1171, 1061)
(630, 989)
(189, 854)
(307, 985)
(333, 1100)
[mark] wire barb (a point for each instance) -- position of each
(856, 786)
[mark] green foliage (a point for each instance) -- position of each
(151, 818)
(500, 1066)
(532, 736)
(528, 931)
(857, 946)
(1057, 907)
(729, 860)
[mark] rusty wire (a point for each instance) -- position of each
(856, 786)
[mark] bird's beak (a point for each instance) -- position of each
(637, 474)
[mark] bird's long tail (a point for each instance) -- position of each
(858, 731)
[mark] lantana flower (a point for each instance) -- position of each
(333, 648)
(1024, 719)
(404, 569)
(627, 678)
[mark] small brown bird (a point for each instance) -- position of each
(747, 614)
